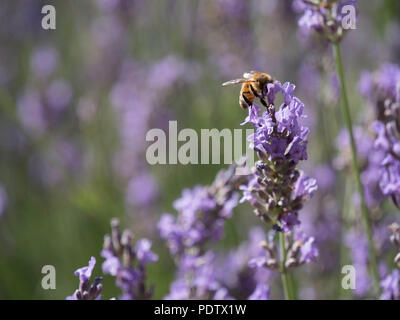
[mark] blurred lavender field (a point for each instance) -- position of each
(76, 104)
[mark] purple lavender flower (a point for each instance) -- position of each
(87, 291)
(127, 263)
(308, 251)
(201, 215)
(300, 251)
(357, 243)
(197, 279)
(235, 274)
(370, 159)
(323, 17)
(278, 189)
(38, 111)
(382, 90)
(390, 286)
(395, 239)
(260, 293)
(141, 190)
(202, 212)
(44, 60)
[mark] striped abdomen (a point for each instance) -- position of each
(247, 96)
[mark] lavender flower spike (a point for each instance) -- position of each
(278, 189)
(391, 286)
(127, 263)
(87, 291)
(202, 212)
(382, 90)
(324, 17)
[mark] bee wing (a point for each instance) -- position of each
(248, 75)
(236, 81)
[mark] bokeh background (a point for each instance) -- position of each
(76, 103)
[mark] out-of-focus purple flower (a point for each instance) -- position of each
(87, 291)
(308, 251)
(30, 111)
(242, 270)
(383, 91)
(38, 110)
(136, 111)
(196, 222)
(201, 215)
(144, 253)
(85, 273)
(260, 293)
(111, 265)
(311, 19)
(301, 250)
(390, 286)
(58, 95)
(141, 190)
(305, 186)
(357, 243)
(127, 263)
(196, 278)
(179, 290)
(324, 19)
(59, 160)
(370, 159)
(44, 60)
(365, 84)
(325, 176)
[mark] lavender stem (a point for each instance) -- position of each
(287, 288)
(356, 169)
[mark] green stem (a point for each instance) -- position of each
(286, 281)
(356, 169)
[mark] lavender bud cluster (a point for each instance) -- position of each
(127, 263)
(382, 89)
(278, 189)
(395, 239)
(201, 215)
(87, 291)
(300, 251)
(323, 16)
(391, 283)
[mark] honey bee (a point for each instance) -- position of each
(254, 85)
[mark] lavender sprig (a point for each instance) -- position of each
(202, 212)
(324, 17)
(278, 189)
(382, 89)
(127, 263)
(356, 168)
(391, 283)
(395, 239)
(87, 291)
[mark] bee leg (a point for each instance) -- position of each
(263, 102)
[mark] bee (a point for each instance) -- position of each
(254, 85)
